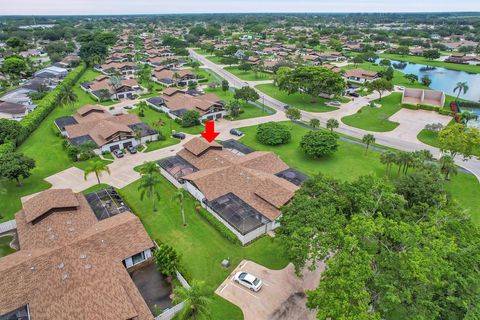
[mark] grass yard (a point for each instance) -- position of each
(202, 248)
(5, 248)
(215, 59)
(298, 100)
(442, 64)
(350, 162)
(249, 110)
(429, 137)
(85, 164)
(203, 74)
(376, 119)
(249, 75)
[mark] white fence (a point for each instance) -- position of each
(169, 313)
(8, 226)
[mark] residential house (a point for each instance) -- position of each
(242, 188)
(463, 59)
(169, 77)
(52, 72)
(176, 102)
(14, 111)
(72, 264)
(102, 88)
(108, 132)
(69, 61)
(360, 75)
(170, 62)
(331, 56)
(416, 51)
(126, 69)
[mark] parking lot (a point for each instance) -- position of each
(281, 297)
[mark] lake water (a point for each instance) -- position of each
(445, 80)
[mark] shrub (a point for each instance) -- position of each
(409, 106)
(190, 118)
(445, 112)
(273, 133)
(217, 225)
(167, 259)
(427, 107)
(317, 144)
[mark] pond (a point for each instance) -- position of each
(443, 79)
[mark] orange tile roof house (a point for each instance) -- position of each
(176, 102)
(243, 189)
(72, 265)
(102, 88)
(108, 132)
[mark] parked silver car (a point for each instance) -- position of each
(248, 280)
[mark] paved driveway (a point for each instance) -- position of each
(282, 296)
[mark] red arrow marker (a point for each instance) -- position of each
(209, 134)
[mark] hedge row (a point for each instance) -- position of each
(220, 227)
(48, 103)
(441, 111)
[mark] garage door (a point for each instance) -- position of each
(115, 147)
(127, 144)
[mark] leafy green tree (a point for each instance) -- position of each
(293, 113)
(107, 38)
(380, 85)
(190, 118)
(368, 139)
(196, 299)
(457, 139)
(461, 87)
(225, 85)
(468, 116)
(148, 186)
(98, 168)
(9, 130)
(421, 188)
(233, 108)
(273, 133)
(357, 60)
(426, 81)
(431, 54)
(403, 50)
(93, 52)
(166, 259)
(14, 166)
(245, 66)
(411, 77)
(311, 80)
(332, 123)
(317, 144)
(14, 66)
(246, 94)
(314, 123)
(388, 74)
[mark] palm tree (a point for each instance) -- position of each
(142, 106)
(149, 186)
(97, 167)
(388, 158)
(150, 167)
(196, 301)
(67, 97)
(368, 139)
(467, 116)
(461, 87)
(180, 195)
(332, 124)
(447, 166)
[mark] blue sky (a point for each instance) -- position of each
(41, 7)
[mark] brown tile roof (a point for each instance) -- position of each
(163, 73)
(104, 83)
(78, 276)
(176, 99)
(47, 201)
(250, 177)
(360, 73)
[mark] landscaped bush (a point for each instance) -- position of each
(427, 107)
(409, 106)
(318, 144)
(273, 133)
(190, 118)
(445, 112)
(220, 227)
(166, 259)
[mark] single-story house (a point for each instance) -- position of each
(123, 68)
(52, 72)
(170, 62)
(421, 96)
(108, 132)
(168, 77)
(103, 89)
(176, 102)
(360, 75)
(72, 265)
(14, 111)
(69, 61)
(242, 189)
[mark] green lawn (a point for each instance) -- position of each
(201, 73)
(249, 75)
(350, 161)
(215, 59)
(45, 146)
(5, 248)
(202, 248)
(298, 100)
(376, 119)
(429, 137)
(249, 110)
(85, 164)
(442, 64)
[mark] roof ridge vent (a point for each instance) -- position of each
(61, 265)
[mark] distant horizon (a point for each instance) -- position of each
(161, 7)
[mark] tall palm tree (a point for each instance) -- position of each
(460, 87)
(97, 167)
(180, 195)
(467, 116)
(368, 139)
(149, 186)
(67, 97)
(150, 167)
(447, 166)
(388, 158)
(196, 301)
(332, 124)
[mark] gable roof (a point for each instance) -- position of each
(47, 201)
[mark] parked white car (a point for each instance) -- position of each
(248, 281)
